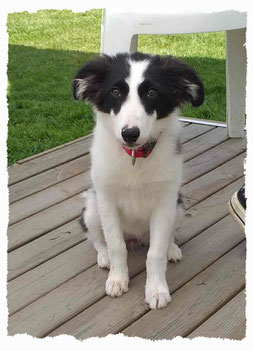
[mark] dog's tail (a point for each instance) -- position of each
(82, 223)
(81, 220)
(180, 215)
(90, 193)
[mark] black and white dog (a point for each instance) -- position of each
(136, 164)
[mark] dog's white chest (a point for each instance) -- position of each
(135, 207)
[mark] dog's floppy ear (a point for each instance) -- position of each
(90, 78)
(185, 81)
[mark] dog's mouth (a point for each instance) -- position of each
(132, 146)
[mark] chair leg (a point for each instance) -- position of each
(112, 41)
(235, 82)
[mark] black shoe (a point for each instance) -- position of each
(238, 204)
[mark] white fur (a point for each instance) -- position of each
(192, 89)
(82, 86)
(134, 200)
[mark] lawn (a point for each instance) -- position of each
(45, 50)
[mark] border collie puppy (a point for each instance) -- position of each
(136, 162)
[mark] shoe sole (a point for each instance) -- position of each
(236, 209)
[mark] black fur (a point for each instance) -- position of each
(81, 221)
(178, 147)
(173, 80)
(170, 77)
(101, 76)
(180, 200)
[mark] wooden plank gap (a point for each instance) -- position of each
(195, 131)
(205, 150)
(223, 162)
(38, 264)
(46, 208)
(32, 157)
(45, 188)
(48, 168)
(25, 242)
(182, 242)
(48, 292)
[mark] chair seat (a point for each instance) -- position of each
(158, 22)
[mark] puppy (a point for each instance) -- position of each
(136, 161)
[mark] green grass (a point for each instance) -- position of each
(45, 50)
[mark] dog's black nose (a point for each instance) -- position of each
(130, 135)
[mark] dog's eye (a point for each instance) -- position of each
(152, 92)
(115, 92)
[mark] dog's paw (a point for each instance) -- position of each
(174, 253)
(103, 260)
(157, 297)
(116, 285)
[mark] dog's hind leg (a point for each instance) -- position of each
(174, 252)
(94, 233)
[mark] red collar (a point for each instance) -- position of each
(143, 151)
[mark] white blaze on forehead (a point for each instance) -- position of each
(136, 77)
(132, 109)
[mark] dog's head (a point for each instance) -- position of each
(135, 90)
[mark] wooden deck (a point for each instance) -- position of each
(55, 286)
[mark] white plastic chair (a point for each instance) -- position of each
(120, 29)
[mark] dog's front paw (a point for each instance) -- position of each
(157, 296)
(103, 260)
(116, 285)
(174, 253)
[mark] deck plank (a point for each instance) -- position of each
(193, 192)
(48, 178)
(44, 199)
(229, 322)
(62, 190)
(204, 142)
(213, 158)
(196, 300)
(83, 290)
(69, 169)
(36, 183)
(42, 249)
(21, 260)
(37, 282)
(214, 180)
(192, 131)
(42, 279)
(54, 283)
(44, 221)
(32, 157)
(113, 316)
(207, 212)
(47, 161)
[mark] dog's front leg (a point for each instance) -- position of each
(117, 281)
(161, 224)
